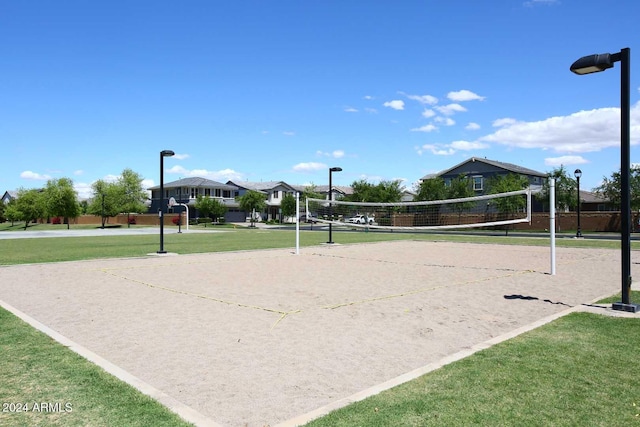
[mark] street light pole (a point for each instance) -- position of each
(593, 64)
(578, 174)
(163, 154)
(331, 170)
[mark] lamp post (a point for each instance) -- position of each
(163, 154)
(578, 173)
(331, 170)
(593, 64)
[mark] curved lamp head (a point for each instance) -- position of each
(167, 153)
(335, 169)
(577, 173)
(592, 63)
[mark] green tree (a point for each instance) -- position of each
(106, 201)
(460, 188)
(383, 192)
(11, 212)
(431, 189)
(508, 206)
(61, 199)
(3, 217)
(288, 205)
(610, 188)
(565, 191)
(311, 192)
(30, 206)
(252, 201)
(210, 207)
(133, 194)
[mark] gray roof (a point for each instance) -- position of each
(502, 165)
(260, 186)
(196, 182)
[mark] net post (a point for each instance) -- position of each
(297, 223)
(552, 223)
(529, 205)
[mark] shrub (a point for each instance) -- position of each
(175, 220)
(132, 220)
(56, 220)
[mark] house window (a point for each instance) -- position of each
(226, 194)
(477, 183)
(275, 194)
(236, 194)
(194, 193)
(447, 182)
(207, 192)
(217, 192)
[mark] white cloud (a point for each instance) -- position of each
(435, 149)
(531, 3)
(472, 126)
(464, 95)
(83, 190)
(426, 128)
(310, 167)
(221, 175)
(371, 110)
(503, 122)
(34, 176)
(581, 132)
(336, 154)
(181, 156)
(422, 99)
(368, 97)
(78, 172)
(428, 113)
(468, 145)
(396, 104)
(565, 161)
(447, 121)
(350, 110)
(450, 109)
(288, 133)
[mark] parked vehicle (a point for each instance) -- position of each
(360, 219)
(308, 218)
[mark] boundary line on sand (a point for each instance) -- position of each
(185, 412)
(411, 375)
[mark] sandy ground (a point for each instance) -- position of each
(258, 338)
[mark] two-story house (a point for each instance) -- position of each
(186, 191)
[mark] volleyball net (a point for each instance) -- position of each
(489, 210)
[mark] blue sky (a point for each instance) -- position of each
(267, 90)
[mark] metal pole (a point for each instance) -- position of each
(297, 223)
(579, 232)
(625, 165)
(552, 223)
(160, 212)
(330, 206)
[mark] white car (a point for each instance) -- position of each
(360, 219)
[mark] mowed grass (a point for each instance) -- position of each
(43, 383)
(576, 371)
(56, 249)
(579, 370)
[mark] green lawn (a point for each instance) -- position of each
(55, 249)
(34, 370)
(578, 370)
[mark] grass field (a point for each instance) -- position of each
(578, 370)
(35, 250)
